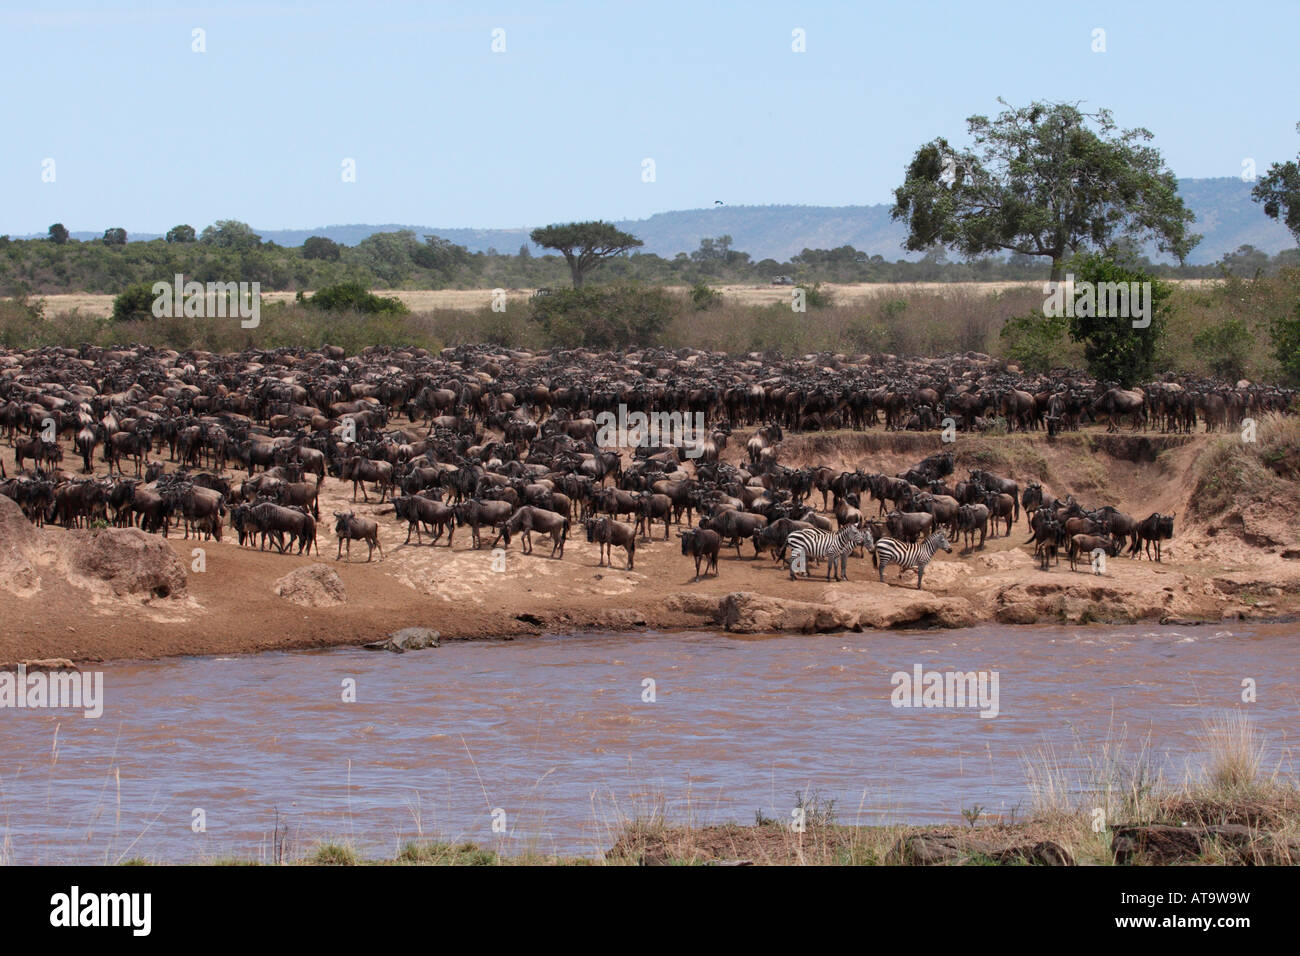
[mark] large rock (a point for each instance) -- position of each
(1159, 844)
(316, 585)
(19, 545)
(131, 563)
(745, 612)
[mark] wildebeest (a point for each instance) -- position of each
(607, 532)
(475, 513)
(349, 527)
(529, 519)
(417, 510)
(703, 545)
(1086, 545)
(1152, 530)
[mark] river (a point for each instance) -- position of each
(554, 741)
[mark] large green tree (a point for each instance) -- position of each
(1279, 191)
(1042, 180)
(584, 245)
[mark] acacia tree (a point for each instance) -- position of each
(1042, 180)
(1279, 191)
(584, 245)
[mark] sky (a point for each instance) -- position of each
(557, 123)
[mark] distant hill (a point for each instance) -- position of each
(1226, 217)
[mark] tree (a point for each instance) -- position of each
(1286, 344)
(115, 237)
(58, 234)
(441, 256)
(320, 247)
(1279, 191)
(230, 234)
(1043, 183)
(134, 304)
(1115, 350)
(1225, 348)
(584, 244)
(182, 233)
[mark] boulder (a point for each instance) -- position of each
(131, 563)
(745, 612)
(316, 585)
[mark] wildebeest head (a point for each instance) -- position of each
(342, 521)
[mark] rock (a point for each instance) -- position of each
(130, 562)
(19, 544)
(1159, 843)
(938, 848)
(316, 585)
(407, 639)
(686, 602)
(744, 612)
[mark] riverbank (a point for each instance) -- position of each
(1252, 826)
(120, 594)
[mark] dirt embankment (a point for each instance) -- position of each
(94, 595)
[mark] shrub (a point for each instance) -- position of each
(1034, 341)
(703, 297)
(605, 316)
(355, 297)
(1225, 348)
(134, 304)
(1286, 344)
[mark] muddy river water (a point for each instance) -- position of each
(549, 743)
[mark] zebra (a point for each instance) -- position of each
(892, 551)
(811, 543)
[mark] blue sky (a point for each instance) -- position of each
(145, 133)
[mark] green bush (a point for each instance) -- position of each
(1035, 342)
(1286, 344)
(134, 304)
(604, 316)
(704, 297)
(1225, 348)
(355, 297)
(1114, 350)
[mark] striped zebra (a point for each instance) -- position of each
(809, 543)
(893, 551)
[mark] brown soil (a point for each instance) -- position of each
(89, 596)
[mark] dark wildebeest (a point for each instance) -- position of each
(418, 509)
(359, 470)
(1086, 544)
(475, 512)
(703, 545)
(1152, 530)
(734, 525)
(607, 532)
(349, 527)
(529, 519)
(276, 520)
(652, 508)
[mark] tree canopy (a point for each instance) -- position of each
(584, 244)
(1279, 192)
(1042, 180)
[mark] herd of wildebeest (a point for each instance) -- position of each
(508, 440)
